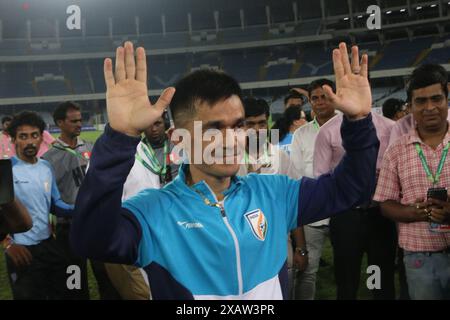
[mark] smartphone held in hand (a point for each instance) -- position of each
(439, 194)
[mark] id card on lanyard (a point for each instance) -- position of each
(434, 179)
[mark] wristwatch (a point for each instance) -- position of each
(302, 251)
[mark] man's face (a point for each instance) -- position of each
(226, 114)
(294, 102)
(321, 105)
(71, 125)
(156, 132)
(256, 123)
(27, 141)
(429, 106)
(253, 126)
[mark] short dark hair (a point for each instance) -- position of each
(293, 94)
(255, 107)
(391, 107)
(204, 85)
(6, 119)
(319, 83)
(29, 118)
(60, 112)
(427, 75)
(283, 124)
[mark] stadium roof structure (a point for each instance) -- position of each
(263, 43)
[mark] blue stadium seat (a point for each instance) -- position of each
(402, 53)
(441, 55)
(316, 61)
(53, 88)
(76, 73)
(279, 72)
(244, 67)
(16, 81)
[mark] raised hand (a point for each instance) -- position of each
(128, 106)
(353, 95)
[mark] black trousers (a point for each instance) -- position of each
(44, 279)
(354, 233)
(69, 258)
(105, 287)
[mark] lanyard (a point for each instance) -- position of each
(433, 178)
(79, 155)
(153, 164)
(316, 124)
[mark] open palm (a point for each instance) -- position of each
(128, 106)
(353, 94)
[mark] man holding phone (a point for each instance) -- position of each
(413, 186)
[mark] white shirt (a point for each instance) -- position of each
(139, 178)
(279, 163)
(302, 155)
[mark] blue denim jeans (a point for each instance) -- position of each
(428, 275)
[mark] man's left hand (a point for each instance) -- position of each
(440, 211)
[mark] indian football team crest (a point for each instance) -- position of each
(258, 223)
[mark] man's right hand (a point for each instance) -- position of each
(128, 105)
(422, 210)
(20, 255)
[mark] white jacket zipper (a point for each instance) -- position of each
(235, 240)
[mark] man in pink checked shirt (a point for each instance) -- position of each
(414, 163)
(361, 229)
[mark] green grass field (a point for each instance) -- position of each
(326, 289)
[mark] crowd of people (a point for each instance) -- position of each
(154, 225)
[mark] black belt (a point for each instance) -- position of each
(429, 253)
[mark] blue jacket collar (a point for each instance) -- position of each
(202, 187)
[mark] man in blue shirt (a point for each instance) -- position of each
(33, 260)
(210, 234)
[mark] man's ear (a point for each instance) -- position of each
(58, 122)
